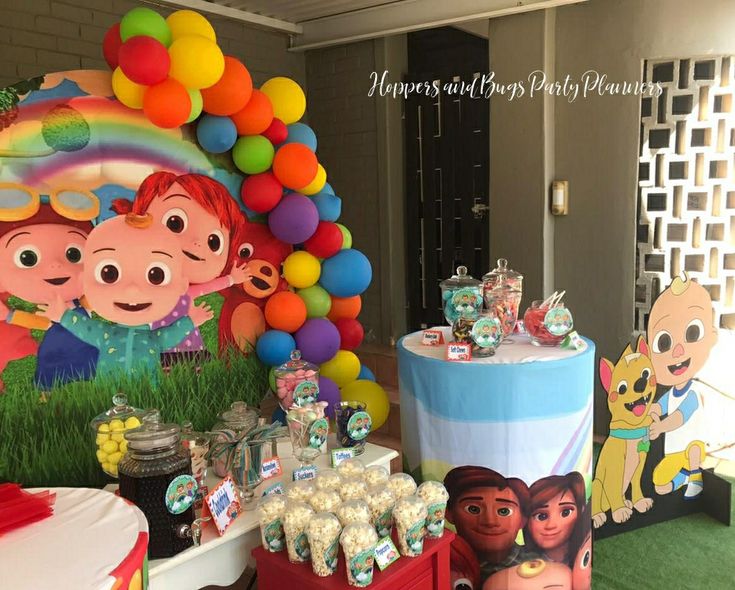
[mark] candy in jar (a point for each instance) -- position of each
(232, 423)
(461, 296)
(353, 425)
(545, 325)
(297, 382)
(110, 428)
(486, 334)
(502, 274)
(198, 445)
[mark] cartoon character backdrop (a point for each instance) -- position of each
(168, 231)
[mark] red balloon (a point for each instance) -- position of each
(167, 104)
(276, 133)
(232, 92)
(351, 333)
(144, 60)
(111, 45)
(262, 192)
(326, 240)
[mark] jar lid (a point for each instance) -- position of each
(152, 434)
(502, 272)
(296, 363)
(120, 410)
(198, 439)
(240, 416)
(461, 279)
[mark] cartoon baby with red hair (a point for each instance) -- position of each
(203, 216)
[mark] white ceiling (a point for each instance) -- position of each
(299, 11)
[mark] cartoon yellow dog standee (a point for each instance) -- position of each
(631, 386)
(681, 334)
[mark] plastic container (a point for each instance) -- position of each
(358, 542)
(297, 382)
(435, 496)
(351, 468)
(155, 475)
(461, 296)
(270, 511)
(353, 488)
(537, 325)
(110, 428)
(325, 500)
(198, 445)
(376, 475)
(295, 519)
(381, 500)
(354, 511)
(327, 479)
(353, 425)
(323, 534)
(402, 485)
(409, 516)
(238, 419)
(300, 491)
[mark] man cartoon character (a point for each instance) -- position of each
(133, 274)
(202, 214)
(680, 336)
(535, 574)
(488, 510)
(41, 256)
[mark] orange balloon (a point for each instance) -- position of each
(256, 117)
(345, 307)
(285, 311)
(232, 92)
(167, 104)
(295, 165)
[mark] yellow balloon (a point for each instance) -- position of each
(317, 184)
(301, 269)
(342, 368)
(184, 23)
(372, 395)
(289, 101)
(127, 92)
(196, 62)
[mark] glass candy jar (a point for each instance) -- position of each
(486, 334)
(461, 296)
(109, 429)
(198, 445)
(503, 301)
(502, 274)
(297, 382)
(156, 476)
(239, 419)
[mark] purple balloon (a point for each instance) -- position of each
(329, 392)
(318, 340)
(294, 219)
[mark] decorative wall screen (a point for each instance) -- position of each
(686, 195)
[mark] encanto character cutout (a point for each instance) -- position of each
(681, 334)
(535, 574)
(133, 274)
(42, 242)
(631, 386)
(582, 564)
(464, 570)
(202, 214)
(242, 320)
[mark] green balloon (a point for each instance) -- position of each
(272, 379)
(253, 154)
(144, 21)
(196, 104)
(346, 236)
(317, 300)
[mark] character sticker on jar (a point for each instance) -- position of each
(558, 321)
(306, 392)
(301, 544)
(330, 555)
(274, 536)
(359, 425)
(384, 523)
(487, 332)
(361, 567)
(180, 494)
(318, 433)
(435, 519)
(415, 537)
(464, 303)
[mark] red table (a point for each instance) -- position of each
(430, 571)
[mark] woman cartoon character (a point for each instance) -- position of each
(555, 507)
(42, 242)
(202, 214)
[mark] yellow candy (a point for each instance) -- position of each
(106, 467)
(110, 447)
(124, 447)
(113, 470)
(132, 422)
(101, 456)
(104, 427)
(102, 439)
(114, 458)
(117, 437)
(117, 425)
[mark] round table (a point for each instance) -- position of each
(523, 414)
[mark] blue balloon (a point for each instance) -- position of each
(328, 205)
(346, 274)
(274, 347)
(216, 134)
(301, 133)
(327, 189)
(366, 373)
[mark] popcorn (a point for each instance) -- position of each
(376, 475)
(435, 496)
(323, 534)
(358, 542)
(351, 468)
(300, 491)
(353, 511)
(325, 500)
(380, 500)
(402, 485)
(327, 479)
(270, 510)
(353, 488)
(295, 519)
(410, 518)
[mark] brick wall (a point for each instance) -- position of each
(344, 119)
(42, 36)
